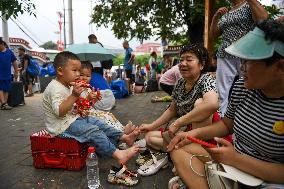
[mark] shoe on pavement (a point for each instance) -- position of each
(5, 107)
(123, 176)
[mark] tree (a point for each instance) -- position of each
(14, 7)
(49, 45)
(171, 19)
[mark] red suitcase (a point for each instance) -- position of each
(55, 152)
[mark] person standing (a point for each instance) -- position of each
(232, 23)
(128, 64)
(7, 58)
(27, 78)
(97, 65)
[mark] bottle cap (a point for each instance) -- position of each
(91, 150)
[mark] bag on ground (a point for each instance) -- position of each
(152, 85)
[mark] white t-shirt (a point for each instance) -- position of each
(53, 96)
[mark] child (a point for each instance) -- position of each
(58, 100)
(85, 75)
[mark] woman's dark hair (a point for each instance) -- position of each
(274, 30)
(201, 53)
(87, 65)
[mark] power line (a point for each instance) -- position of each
(24, 31)
(29, 30)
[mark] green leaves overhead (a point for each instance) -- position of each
(15, 7)
(142, 19)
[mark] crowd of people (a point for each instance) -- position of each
(240, 111)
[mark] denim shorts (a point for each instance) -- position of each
(95, 132)
(5, 85)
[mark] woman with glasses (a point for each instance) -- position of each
(255, 115)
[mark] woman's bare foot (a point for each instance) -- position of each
(124, 155)
(129, 128)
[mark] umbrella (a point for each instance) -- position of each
(91, 52)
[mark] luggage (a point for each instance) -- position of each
(16, 95)
(44, 81)
(55, 152)
(118, 88)
(152, 85)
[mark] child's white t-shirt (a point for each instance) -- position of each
(53, 96)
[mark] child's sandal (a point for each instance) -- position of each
(123, 176)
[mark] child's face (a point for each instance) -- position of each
(85, 75)
(70, 72)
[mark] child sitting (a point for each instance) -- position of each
(58, 101)
(109, 118)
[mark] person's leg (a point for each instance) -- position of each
(154, 140)
(167, 88)
(30, 85)
(181, 159)
(227, 69)
(83, 131)
(206, 121)
(5, 87)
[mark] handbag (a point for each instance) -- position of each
(220, 176)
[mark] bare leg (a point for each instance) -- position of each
(181, 159)
(2, 99)
(30, 89)
(122, 156)
(154, 140)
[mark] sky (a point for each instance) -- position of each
(43, 28)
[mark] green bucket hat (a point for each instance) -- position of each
(254, 46)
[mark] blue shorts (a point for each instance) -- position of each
(5, 85)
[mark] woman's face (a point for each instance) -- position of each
(189, 66)
(258, 75)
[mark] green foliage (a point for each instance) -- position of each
(142, 19)
(14, 7)
(273, 11)
(49, 45)
(142, 59)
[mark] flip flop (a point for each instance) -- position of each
(123, 176)
(175, 180)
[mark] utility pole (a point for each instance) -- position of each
(5, 29)
(64, 24)
(71, 38)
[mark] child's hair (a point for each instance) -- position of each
(87, 65)
(201, 53)
(62, 58)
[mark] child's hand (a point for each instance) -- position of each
(77, 89)
(85, 113)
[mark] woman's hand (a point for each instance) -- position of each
(221, 11)
(226, 153)
(173, 129)
(178, 141)
(146, 127)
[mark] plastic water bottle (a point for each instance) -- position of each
(92, 169)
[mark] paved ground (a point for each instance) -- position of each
(17, 172)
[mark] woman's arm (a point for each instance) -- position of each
(164, 118)
(267, 171)
(214, 31)
(258, 11)
(207, 107)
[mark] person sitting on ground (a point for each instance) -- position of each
(167, 82)
(58, 101)
(99, 82)
(255, 115)
(104, 101)
(195, 98)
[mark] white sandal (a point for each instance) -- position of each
(153, 165)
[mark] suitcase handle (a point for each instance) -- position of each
(52, 161)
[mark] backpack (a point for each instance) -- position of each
(33, 67)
